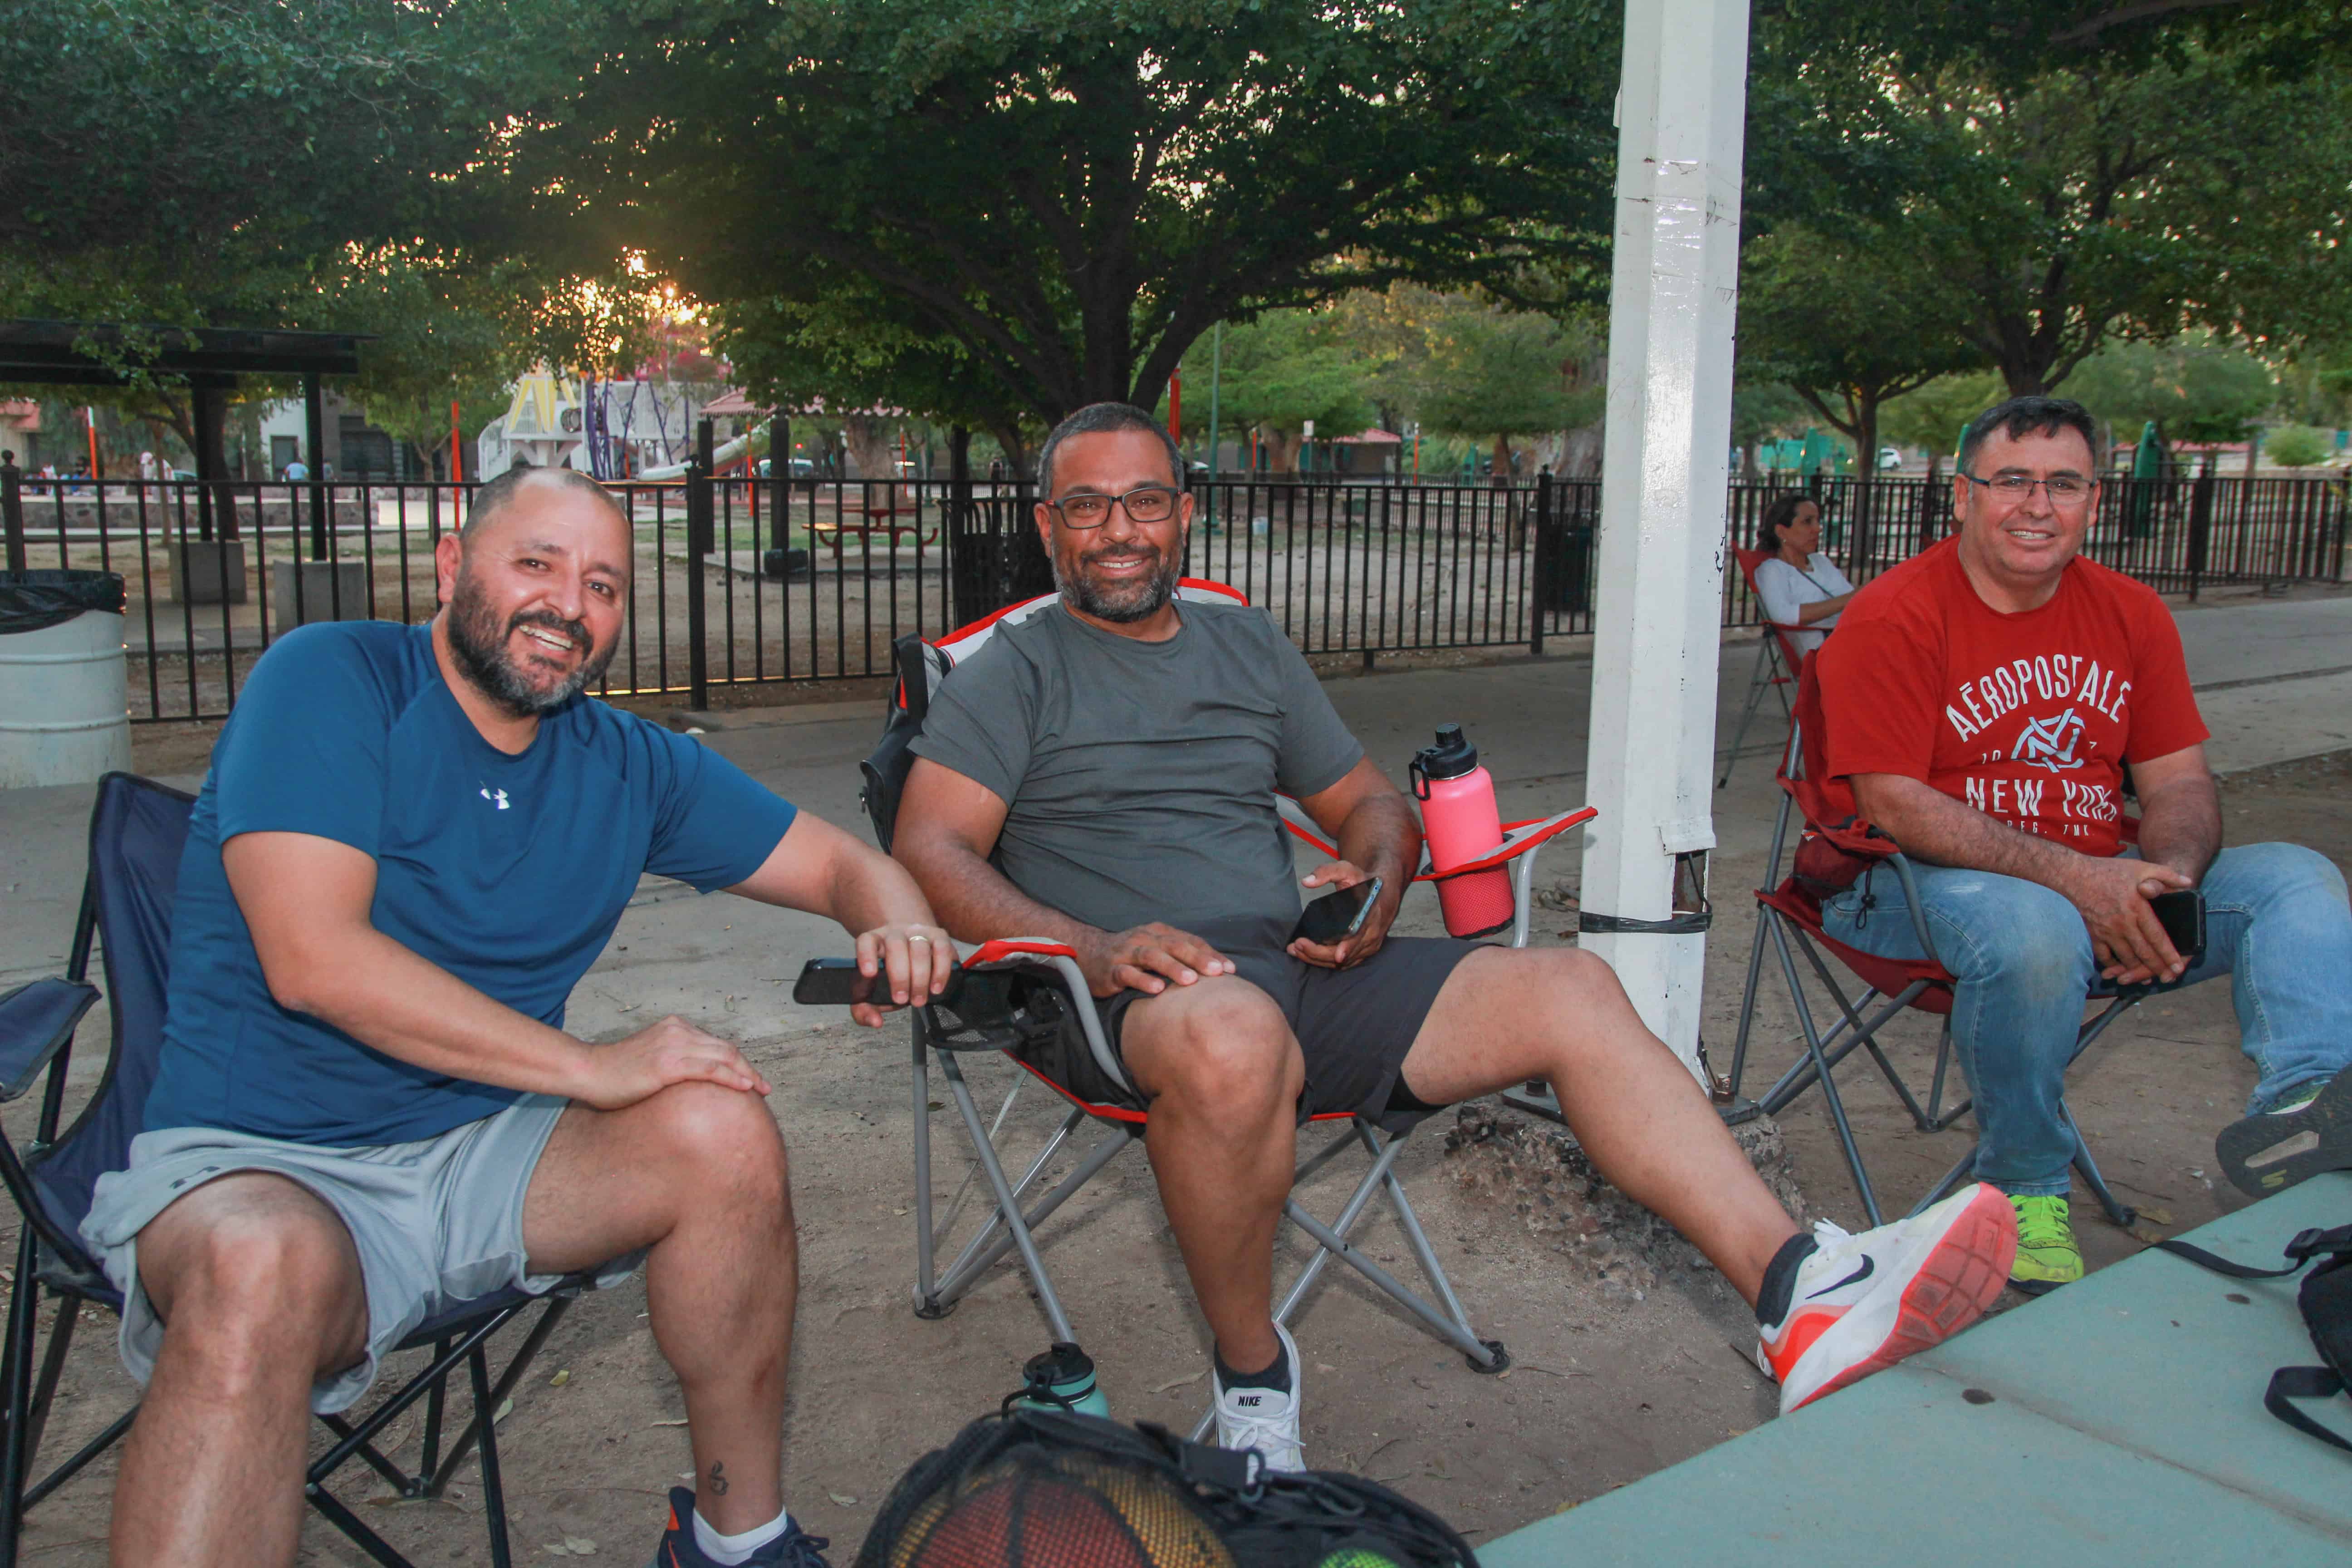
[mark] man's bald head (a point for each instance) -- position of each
(498, 495)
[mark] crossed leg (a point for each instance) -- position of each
(259, 1286)
(1223, 1071)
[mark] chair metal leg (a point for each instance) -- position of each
(16, 1392)
(1757, 681)
(83, 1456)
(927, 1303)
(53, 1363)
(494, 1492)
(1866, 1036)
(1939, 1118)
(1037, 1164)
(1009, 1206)
(517, 1366)
(1821, 1070)
(355, 1529)
(2122, 1215)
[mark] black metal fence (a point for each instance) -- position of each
(739, 581)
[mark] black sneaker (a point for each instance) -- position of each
(678, 1549)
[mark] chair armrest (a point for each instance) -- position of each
(1033, 953)
(35, 1021)
(1519, 838)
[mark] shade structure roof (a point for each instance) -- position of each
(58, 352)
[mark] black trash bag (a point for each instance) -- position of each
(35, 601)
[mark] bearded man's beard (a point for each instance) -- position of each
(1136, 599)
(478, 640)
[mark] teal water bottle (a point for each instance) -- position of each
(1063, 1378)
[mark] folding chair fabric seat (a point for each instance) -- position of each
(1042, 968)
(1788, 915)
(137, 830)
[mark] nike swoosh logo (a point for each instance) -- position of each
(1869, 1267)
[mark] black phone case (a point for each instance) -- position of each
(2182, 915)
(829, 983)
(1324, 926)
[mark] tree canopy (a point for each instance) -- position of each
(1041, 204)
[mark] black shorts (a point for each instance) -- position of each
(1354, 1026)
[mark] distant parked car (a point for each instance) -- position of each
(802, 468)
(1889, 459)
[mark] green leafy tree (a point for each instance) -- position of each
(1069, 193)
(2072, 175)
(1492, 374)
(1847, 320)
(2193, 387)
(1281, 371)
(2297, 446)
(1934, 415)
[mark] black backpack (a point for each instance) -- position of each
(2325, 1298)
(1050, 1489)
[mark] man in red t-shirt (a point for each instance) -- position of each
(1983, 700)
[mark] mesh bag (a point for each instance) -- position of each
(1038, 1489)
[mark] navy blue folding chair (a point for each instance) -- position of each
(137, 829)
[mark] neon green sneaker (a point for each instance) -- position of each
(2047, 1257)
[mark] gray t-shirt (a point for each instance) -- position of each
(1140, 777)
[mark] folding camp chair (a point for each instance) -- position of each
(136, 832)
(1026, 987)
(1777, 660)
(1788, 916)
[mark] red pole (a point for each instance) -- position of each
(91, 413)
(1176, 403)
(457, 451)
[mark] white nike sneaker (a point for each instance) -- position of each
(1262, 1418)
(1864, 1303)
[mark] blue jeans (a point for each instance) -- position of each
(2276, 924)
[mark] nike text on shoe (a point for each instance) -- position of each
(2310, 1133)
(678, 1549)
(1266, 1419)
(1862, 1303)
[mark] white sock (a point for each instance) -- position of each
(730, 1550)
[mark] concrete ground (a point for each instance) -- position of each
(1612, 1381)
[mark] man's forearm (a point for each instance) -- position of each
(977, 902)
(1380, 839)
(388, 996)
(1931, 826)
(2180, 825)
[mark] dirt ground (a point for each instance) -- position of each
(1611, 1379)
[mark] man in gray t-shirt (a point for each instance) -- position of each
(1102, 775)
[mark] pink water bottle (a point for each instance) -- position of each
(1458, 815)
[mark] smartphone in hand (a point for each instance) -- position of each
(2181, 913)
(1332, 920)
(831, 983)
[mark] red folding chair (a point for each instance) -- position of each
(1015, 989)
(1788, 916)
(1777, 660)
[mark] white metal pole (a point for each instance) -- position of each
(1674, 282)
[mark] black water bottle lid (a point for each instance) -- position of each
(1452, 757)
(1065, 1362)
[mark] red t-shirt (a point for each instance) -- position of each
(2026, 717)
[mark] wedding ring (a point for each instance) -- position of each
(917, 936)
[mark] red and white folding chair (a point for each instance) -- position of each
(1777, 660)
(1788, 916)
(1038, 982)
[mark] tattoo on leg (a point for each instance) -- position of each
(719, 1476)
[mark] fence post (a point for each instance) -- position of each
(12, 508)
(1539, 598)
(700, 526)
(2201, 526)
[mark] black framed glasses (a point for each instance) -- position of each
(2064, 490)
(1144, 503)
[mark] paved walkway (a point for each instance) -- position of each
(2117, 1421)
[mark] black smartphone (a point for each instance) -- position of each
(1334, 918)
(2182, 915)
(831, 983)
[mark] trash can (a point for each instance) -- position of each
(63, 718)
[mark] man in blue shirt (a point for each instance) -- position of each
(412, 843)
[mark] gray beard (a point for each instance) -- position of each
(478, 642)
(1137, 601)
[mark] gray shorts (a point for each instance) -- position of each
(435, 1221)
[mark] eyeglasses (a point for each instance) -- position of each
(2064, 490)
(1144, 503)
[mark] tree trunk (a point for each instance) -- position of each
(1579, 455)
(868, 435)
(1282, 451)
(212, 458)
(1502, 456)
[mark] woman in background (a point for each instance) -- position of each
(1800, 586)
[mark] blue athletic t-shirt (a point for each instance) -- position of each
(510, 872)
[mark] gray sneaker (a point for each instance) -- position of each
(2310, 1133)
